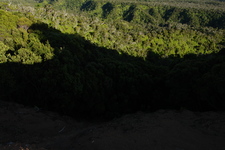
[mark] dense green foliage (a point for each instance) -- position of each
(108, 58)
(161, 29)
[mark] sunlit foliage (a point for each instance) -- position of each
(106, 58)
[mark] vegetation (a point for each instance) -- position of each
(106, 58)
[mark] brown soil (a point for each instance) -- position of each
(23, 128)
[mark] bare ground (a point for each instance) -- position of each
(26, 128)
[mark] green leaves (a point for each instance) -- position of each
(156, 56)
(24, 23)
(19, 45)
(3, 50)
(25, 56)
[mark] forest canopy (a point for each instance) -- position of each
(107, 58)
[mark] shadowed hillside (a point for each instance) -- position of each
(85, 80)
(85, 67)
(86, 74)
(80, 79)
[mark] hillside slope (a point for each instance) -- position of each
(33, 129)
(87, 67)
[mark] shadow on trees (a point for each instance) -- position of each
(84, 80)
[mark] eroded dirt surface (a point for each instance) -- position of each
(26, 128)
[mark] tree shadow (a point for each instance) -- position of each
(84, 80)
(107, 9)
